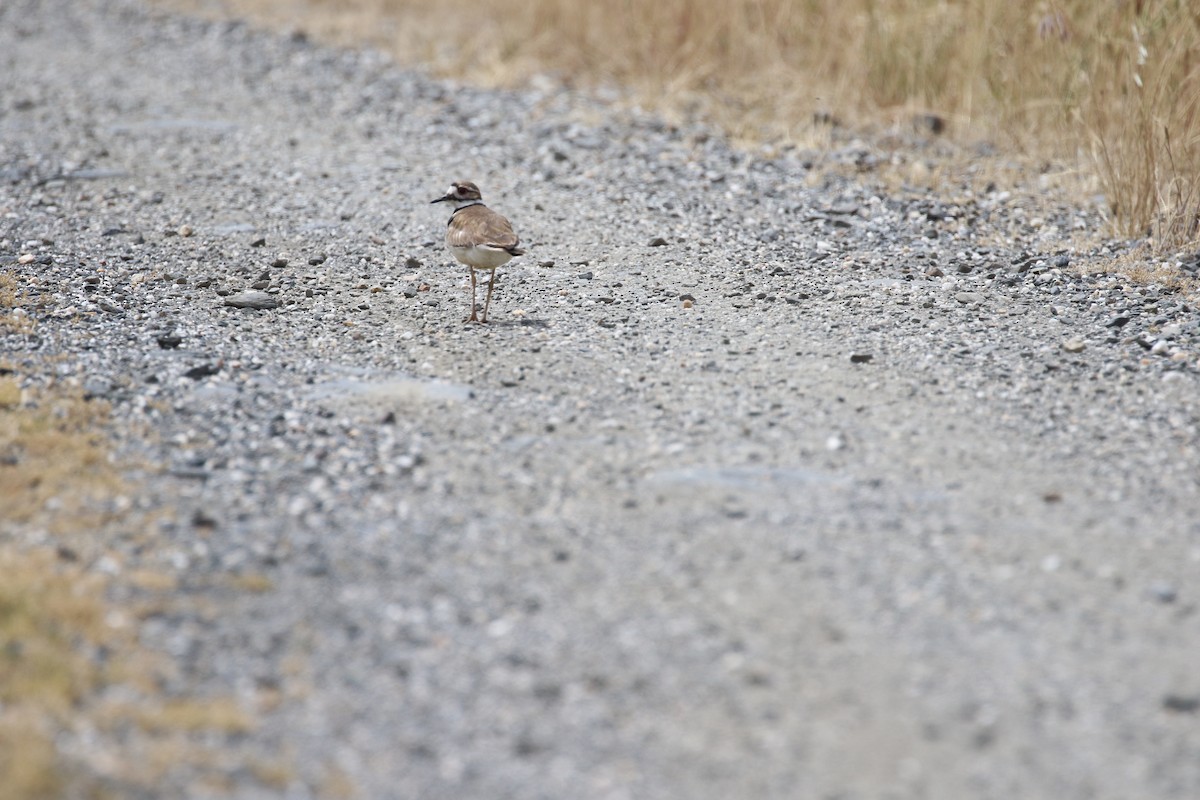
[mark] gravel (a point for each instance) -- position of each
(773, 476)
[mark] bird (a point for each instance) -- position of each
(478, 237)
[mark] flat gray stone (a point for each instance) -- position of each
(252, 299)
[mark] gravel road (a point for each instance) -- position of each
(773, 477)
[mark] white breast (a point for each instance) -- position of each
(481, 257)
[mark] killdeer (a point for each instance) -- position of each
(478, 237)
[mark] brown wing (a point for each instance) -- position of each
(479, 226)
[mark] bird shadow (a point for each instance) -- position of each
(523, 322)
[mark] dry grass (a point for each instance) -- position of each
(1140, 267)
(1141, 110)
(45, 614)
(63, 643)
(28, 761)
(10, 317)
(8, 290)
(52, 620)
(1109, 84)
(53, 458)
(254, 582)
(191, 716)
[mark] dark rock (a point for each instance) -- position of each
(202, 371)
(931, 123)
(1182, 704)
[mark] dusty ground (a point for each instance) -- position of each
(773, 477)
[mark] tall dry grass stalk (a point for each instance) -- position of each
(1140, 109)
(1110, 82)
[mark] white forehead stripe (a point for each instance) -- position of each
(452, 190)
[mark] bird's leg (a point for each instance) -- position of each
(488, 302)
(473, 317)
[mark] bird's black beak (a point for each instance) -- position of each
(440, 199)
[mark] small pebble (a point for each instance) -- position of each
(1164, 593)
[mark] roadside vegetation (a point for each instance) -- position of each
(1109, 88)
(71, 664)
